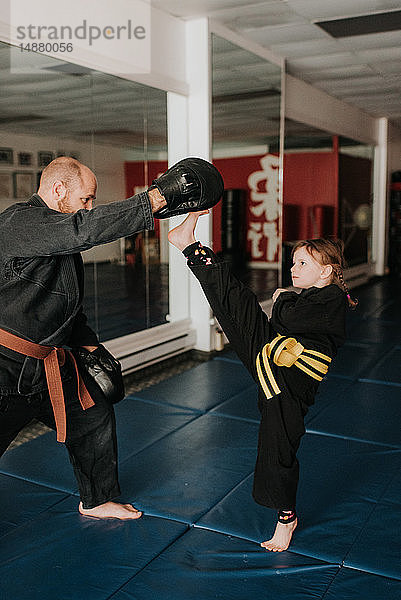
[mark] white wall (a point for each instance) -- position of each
(394, 149)
(106, 161)
(307, 104)
(167, 59)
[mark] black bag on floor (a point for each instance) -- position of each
(100, 371)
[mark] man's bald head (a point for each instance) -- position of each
(66, 169)
(65, 178)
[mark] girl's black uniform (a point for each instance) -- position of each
(316, 318)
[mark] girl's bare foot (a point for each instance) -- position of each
(111, 510)
(184, 235)
(281, 538)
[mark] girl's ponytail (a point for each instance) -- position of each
(353, 302)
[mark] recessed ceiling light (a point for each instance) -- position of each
(363, 25)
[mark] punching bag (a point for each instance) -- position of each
(233, 226)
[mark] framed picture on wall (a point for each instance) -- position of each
(6, 156)
(44, 158)
(24, 185)
(6, 187)
(71, 154)
(24, 159)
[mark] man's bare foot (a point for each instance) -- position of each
(184, 235)
(111, 510)
(281, 538)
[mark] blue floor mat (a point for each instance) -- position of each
(341, 483)
(49, 462)
(187, 449)
(201, 388)
(205, 565)
(386, 368)
(242, 406)
(21, 501)
(229, 356)
(369, 553)
(350, 584)
(355, 359)
(362, 412)
(184, 474)
(375, 330)
(140, 424)
(392, 493)
(329, 389)
(63, 555)
(43, 461)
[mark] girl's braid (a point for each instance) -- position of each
(353, 302)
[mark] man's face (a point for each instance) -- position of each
(81, 195)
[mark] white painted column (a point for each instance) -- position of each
(189, 134)
(199, 79)
(380, 195)
(179, 274)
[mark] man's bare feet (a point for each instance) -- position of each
(281, 538)
(184, 235)
(111, 510)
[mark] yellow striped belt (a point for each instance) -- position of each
(286, 352)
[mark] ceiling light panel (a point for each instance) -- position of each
(362, 25)
(318, 9)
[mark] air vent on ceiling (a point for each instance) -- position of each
(110, 132)
(363, 25)
(246, 95)
(68, 69)
(6, 119)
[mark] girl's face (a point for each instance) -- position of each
(307, 272)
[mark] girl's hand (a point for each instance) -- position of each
(277, 293)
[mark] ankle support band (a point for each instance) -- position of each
(286, 516)
(197, 255)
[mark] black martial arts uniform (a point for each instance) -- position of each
(316, 318)
(41, 292)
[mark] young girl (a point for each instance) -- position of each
(287, 355)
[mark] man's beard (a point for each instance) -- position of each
(64, 206)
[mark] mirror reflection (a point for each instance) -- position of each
(327, 191)
(117, 128)
(246, 132)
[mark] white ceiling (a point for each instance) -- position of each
(362, 70)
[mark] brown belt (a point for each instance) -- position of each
(53, 358)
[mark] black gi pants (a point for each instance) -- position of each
(91, 438)
(248, 329)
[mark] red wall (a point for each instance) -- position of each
(140, 175)
(235, 172)
(310, 179)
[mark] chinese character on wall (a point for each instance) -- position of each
(263, 230)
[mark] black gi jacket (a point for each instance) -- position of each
(315, 317)
(41, 276)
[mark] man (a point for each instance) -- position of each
(41, 293)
